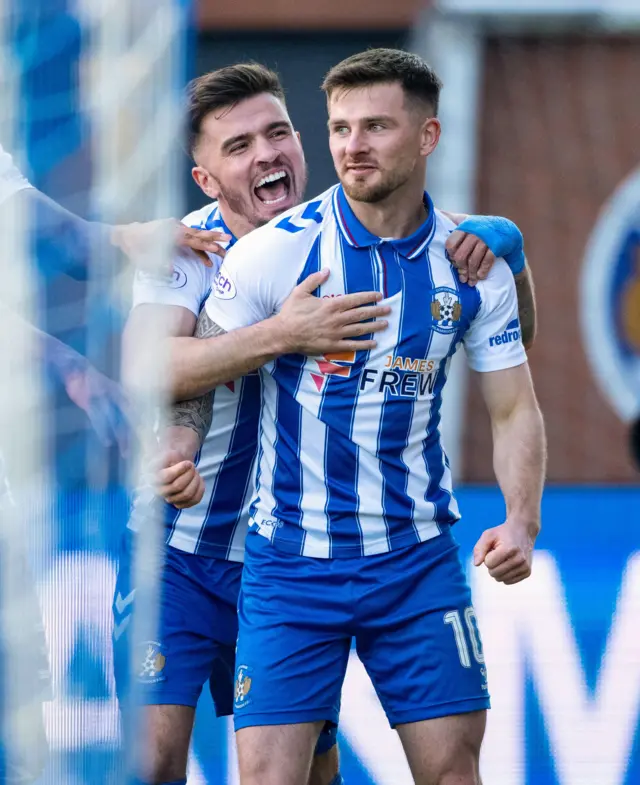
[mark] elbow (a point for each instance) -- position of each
(143, 378)
(144, 386)
(523, 412)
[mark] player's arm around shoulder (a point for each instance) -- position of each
(473, 248)
(235, 333)
(263, 304)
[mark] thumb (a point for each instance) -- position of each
(454, 240)
(483, 546)
(313, 281)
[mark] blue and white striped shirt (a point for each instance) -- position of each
(217, 526)
(350, 461)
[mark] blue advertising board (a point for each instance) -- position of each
(562, 651)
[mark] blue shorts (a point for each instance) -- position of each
(197, 631)
(409, 612)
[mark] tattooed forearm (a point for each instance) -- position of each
(197, 413)
(526, 306)
(205, 327)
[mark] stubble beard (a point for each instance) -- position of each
(371, 194)
(241, 206)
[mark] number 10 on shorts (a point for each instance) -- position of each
(471, 624)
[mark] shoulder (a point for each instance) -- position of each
(308, 217)
(498, 279)
(188, 284)
(443, 226)
(202, 217)
(207, 217)
(443, 222)
(292, 232)
(498, 290)
(190, 280)
(306, 220)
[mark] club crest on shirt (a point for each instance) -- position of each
(446, 310)
(152, 663)
(242, 687)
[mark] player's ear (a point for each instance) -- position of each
(297, 133)
(205, 182)
(429, 135)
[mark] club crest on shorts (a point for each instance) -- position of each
(242, 687)
(152, 662)
(446, 310)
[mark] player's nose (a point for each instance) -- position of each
(356, 143)
(266, 152)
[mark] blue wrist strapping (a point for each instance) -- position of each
(500, 235)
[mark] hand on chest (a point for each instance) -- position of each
(430, 309)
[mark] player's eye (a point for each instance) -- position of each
(341, 130)
(281, 133)
(238, 148)
(376, 127)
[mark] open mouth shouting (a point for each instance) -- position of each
(274, 188)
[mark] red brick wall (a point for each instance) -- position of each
(560, 129)
(325, 15)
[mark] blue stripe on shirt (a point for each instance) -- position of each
(432, 452)
(413, 342)
(340, 395)
(234, 473)
(287, 473)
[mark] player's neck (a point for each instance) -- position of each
(236, 223)
(397, 216)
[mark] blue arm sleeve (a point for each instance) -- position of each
(500, 235)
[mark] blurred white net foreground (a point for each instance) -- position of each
(90, 96)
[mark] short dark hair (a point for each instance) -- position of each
(226, 87)
(377, 66)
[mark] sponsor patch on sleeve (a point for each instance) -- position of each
(510, 334)
(223, 287)
(177, 279)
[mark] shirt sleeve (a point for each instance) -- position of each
(188, 286)
(494, 340)
(255, 279)
(11, 178)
